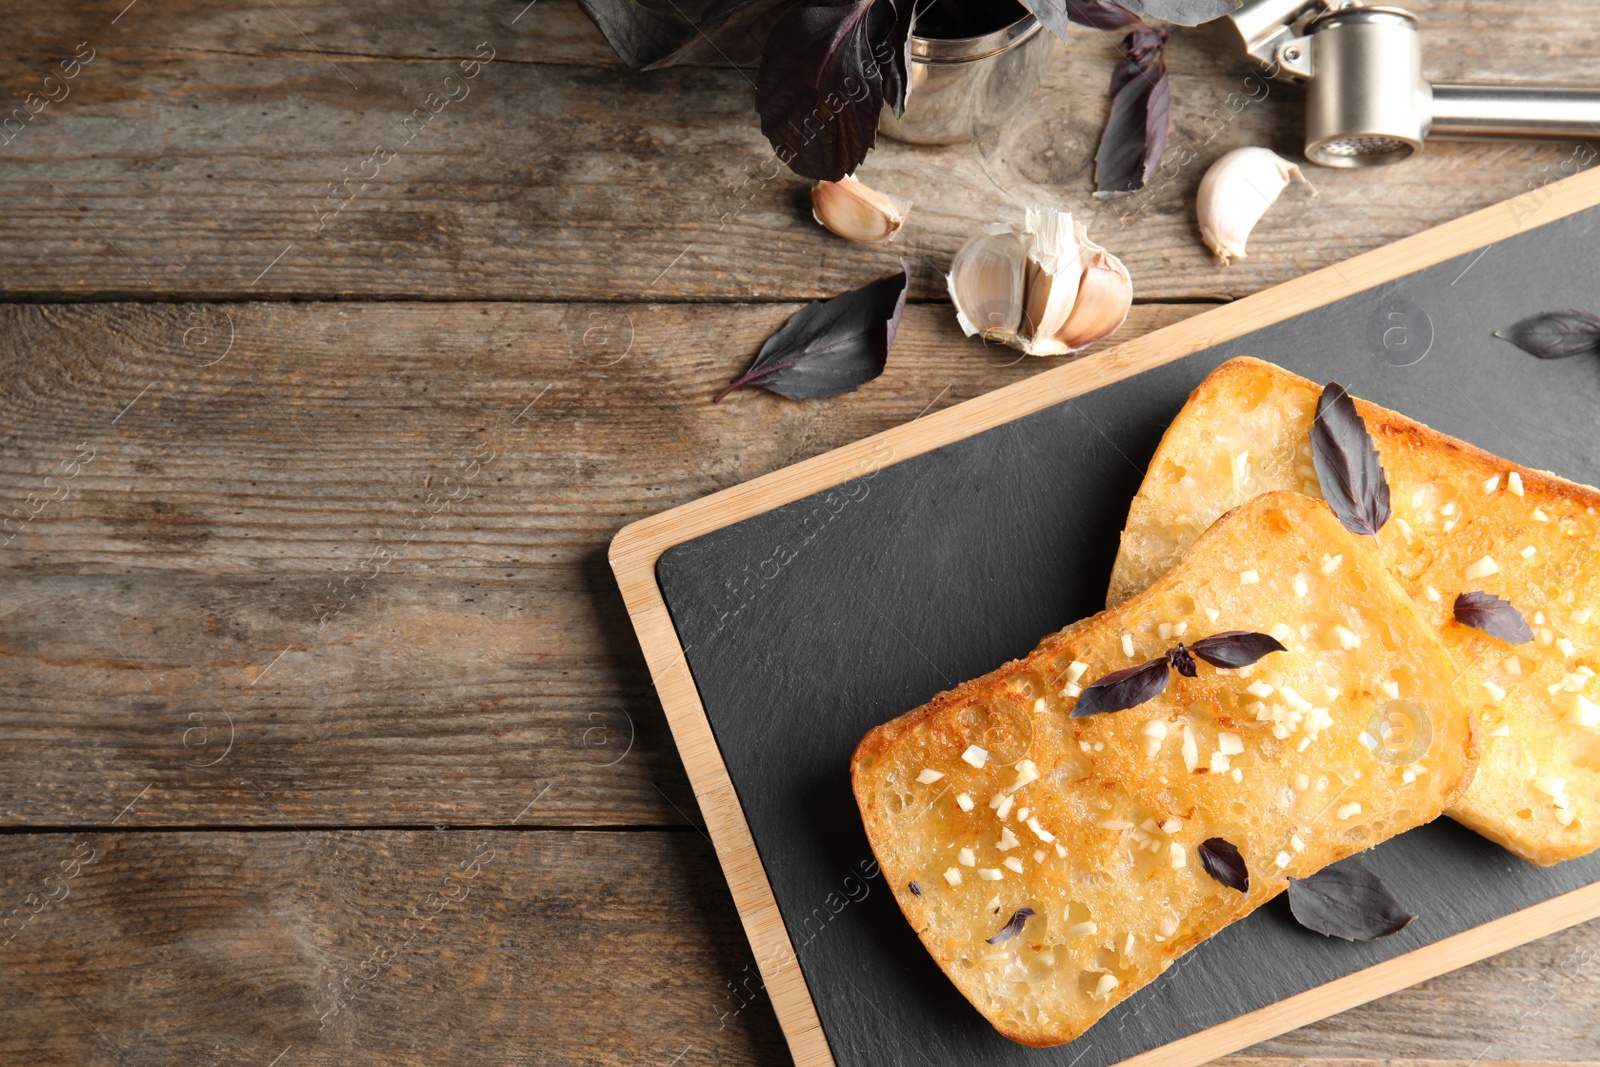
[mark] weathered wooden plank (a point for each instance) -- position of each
(328, 432)
(427, 701)
(177, 166)
(286, 543)
(375, 947)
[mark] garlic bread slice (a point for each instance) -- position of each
(1052, 865)
(1463, 521)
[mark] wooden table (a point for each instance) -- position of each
(325, 736)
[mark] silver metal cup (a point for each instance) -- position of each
(964, 87)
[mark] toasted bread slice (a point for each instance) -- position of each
(1246, 430)
(1103, 843)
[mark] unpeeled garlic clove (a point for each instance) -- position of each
(987, 283)
(1236, 192)
(856, 211)
(1105, 296)
(1045, 289)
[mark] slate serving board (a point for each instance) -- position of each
(807, 625)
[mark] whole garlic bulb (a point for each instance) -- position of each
(1236, 192)
(1045, 289)
(856, 211)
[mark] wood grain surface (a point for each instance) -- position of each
(283, 548)
(307, 535)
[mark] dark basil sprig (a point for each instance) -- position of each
(1352, 479)
(1132, 686)
(1013, 927)
(1347, 900)
(1494, 616)
(1556, 334)
(1222, 861)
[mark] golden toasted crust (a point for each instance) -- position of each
(1270, 758)
(1538, 789)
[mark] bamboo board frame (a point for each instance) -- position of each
(636, 549)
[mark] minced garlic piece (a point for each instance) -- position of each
(1026, 772)
(1585, 712)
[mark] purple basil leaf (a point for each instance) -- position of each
(1100, 14)
(1220, 857)
(1495, 617)
(1352, 478)
(639, 35)
(1011, 929)
(1180, 660)
(1347, 900)
(821, 85)
(1182, 12)
(1135, 137)
(1235, 648)
(916, 890)
(832, 346)
(1124, 689)
(730, 31)
(1556, 334)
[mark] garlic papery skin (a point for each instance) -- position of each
(986, 283)
(1236, 192)
(855, 211)
(1045, 289)
(1055, 267)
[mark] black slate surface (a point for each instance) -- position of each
(808, 625)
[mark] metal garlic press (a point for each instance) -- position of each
(1367, 102)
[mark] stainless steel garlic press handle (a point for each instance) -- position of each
(1367, 102)
(1516, 111)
